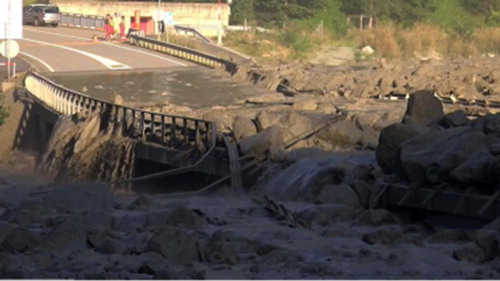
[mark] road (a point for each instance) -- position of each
(64, 49)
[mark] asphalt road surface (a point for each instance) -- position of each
(64, 49)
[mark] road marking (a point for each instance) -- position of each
(111, 44)
(80, 43)
(38, 60)
(109, 63)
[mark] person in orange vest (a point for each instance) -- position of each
(111, 28)
(107, 27)
(122, 29)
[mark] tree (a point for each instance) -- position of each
(405, 12)
(241, 10)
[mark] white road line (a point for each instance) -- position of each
(110, 44)
(109, 63)
(38, 60)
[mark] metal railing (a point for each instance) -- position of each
(82, 21)
(164, 129)
(194, 32)
(183, 53)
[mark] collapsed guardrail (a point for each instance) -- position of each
(164, 129)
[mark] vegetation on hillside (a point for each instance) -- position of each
(401, 29)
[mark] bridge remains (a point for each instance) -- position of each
(71, 123)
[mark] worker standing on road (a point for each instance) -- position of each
(122, 29)
(111, 28)
(107, 28)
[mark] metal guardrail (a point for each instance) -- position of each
(169, 130)
(183, 53)
(82, 21)
(185, 29)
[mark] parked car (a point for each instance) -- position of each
(41, 14)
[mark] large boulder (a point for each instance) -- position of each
(295, 125)
(434, 155)
(175, 244)
(343, 133)
(423, 109)
(243, 127)
(264, 120)
(339, 194)
(455, 119)
(263, 142)
(390, 140)
(475, 169)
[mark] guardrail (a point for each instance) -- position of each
(82, 21)
(184, 53)
(169, 130)
(185, 29)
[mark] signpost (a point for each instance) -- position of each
(11, 27)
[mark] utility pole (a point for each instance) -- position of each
(219, 29)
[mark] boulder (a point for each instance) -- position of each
(489, 124)
(16, 239)
(389, 144)
(263, 142)
(339, 194)
(475, 169)
(470, 253)
(177, 245)
(264, 120)
(243, 127)
(343, 133)
(295, 125)
(423, 109)
(455, 119)
(487, 240)
(434, 155)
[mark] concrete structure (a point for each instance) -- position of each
(203, 17)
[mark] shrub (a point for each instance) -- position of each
(382, 38)
(422, 39)
(487, 39)
(297, 41)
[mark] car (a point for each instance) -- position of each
(41, 14)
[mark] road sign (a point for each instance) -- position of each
(9, 49)
(168, 18)
(11, 19)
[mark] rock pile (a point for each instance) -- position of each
(464, 78)
(431, 148)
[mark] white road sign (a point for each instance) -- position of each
(11, 19)
(9, 49)
(168, 18)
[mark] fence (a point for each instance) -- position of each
(82, 21)
(170, 130)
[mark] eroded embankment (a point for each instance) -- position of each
(84, 147)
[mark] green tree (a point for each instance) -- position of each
(241, 10)
(405, 12)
